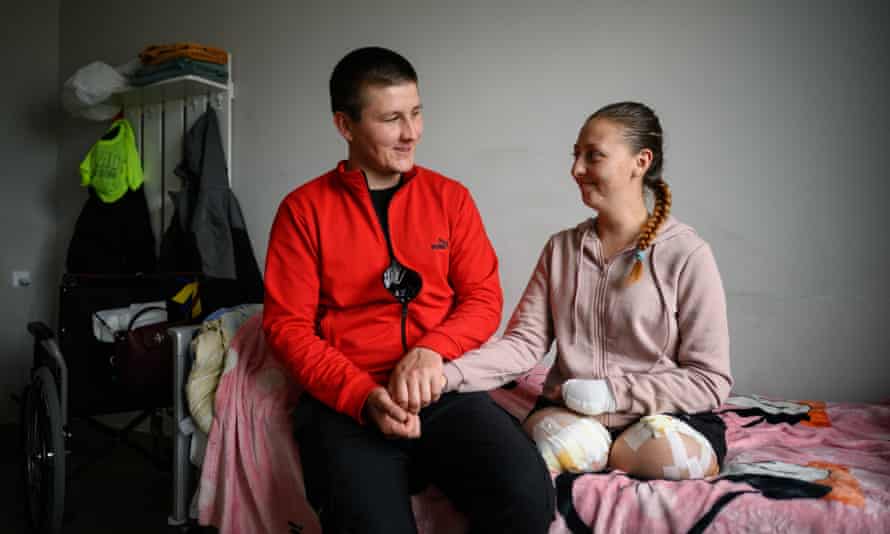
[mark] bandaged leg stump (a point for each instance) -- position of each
(661, 446)
(569, 441)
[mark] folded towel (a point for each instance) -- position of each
(155, 54)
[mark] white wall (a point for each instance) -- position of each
(29, 48)
(776, 119)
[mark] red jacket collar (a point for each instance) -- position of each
(356, 177)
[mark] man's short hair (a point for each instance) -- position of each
(363, 67)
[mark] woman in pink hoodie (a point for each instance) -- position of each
(634, 302)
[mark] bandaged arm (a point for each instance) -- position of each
(590, 397)
(525, 342)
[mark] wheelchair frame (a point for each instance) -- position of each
(182, 468)
(46, 435)
(158, 111)
(46, 410)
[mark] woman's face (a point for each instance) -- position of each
(607, 172)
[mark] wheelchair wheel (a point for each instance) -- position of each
(44, 449)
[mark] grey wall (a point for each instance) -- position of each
(776, 118)
(29, 44)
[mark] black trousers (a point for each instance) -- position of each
(361, 481)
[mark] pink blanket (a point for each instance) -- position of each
(251, 480)
(791, 467)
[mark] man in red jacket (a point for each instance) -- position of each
(376, 272)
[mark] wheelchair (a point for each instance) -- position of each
(75, 375)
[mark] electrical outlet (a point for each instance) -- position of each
(21, 278)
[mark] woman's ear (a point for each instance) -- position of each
(642, 162)
(344, 125)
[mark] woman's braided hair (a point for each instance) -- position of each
(642, 129)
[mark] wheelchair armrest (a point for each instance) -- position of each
(182, 484)
(40, 331)
(182, 336)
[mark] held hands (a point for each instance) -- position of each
(418, 379)
(390, 418)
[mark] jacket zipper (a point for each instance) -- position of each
(392, 256)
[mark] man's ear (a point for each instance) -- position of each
(344, 125)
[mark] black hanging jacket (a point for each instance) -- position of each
(208, 233)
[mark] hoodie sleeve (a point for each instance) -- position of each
(702, 380)
(473, 273)
(527, 339)
(289, 318)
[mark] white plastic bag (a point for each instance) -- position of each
(107, 322)
(86, 92)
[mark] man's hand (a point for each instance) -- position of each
(389, 417)
(417, 380)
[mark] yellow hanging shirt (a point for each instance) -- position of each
(112, 165)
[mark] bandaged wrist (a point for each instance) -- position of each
(591, 397)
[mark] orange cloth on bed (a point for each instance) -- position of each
(844, 486)
(817, 413)
(155, 54)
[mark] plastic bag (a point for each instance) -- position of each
(107, 322)
(86, 92)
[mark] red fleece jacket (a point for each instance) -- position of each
(327, 314)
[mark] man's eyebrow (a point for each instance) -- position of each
(396, 112)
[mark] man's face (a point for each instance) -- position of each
(382, 143)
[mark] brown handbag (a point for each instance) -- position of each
(143, 359)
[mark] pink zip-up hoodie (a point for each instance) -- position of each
(661, 344)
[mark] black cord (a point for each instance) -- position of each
(404, 327)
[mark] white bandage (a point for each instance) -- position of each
(637, 435)
(545, 447)
(681, 460)
(578, 447)
(655, 426)
(591, 397)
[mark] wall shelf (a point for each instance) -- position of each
(162, 114)
(179, 88)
